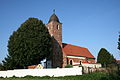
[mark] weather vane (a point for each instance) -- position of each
(53, 10)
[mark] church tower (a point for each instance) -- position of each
(55, 29)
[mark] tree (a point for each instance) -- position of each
(119, 42)
(105, 58)
(119, 49)
(30, 44)
(1, 67)
(8, 63)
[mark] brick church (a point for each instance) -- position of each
(63, 53)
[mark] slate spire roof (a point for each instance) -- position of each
(53, 18)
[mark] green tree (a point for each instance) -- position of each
(30, 44)
(119, 42)
(8, 63)
(1, 67)
(105, 58)
(119, 49)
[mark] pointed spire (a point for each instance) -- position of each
(53, 17)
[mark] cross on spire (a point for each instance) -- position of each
(54, 11)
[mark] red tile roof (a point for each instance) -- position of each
(118, 61)
(32, 67)
(73, 50)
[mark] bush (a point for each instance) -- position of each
(28, 76)
(1, 77)
(68, 66)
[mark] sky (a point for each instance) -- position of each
(93, 24)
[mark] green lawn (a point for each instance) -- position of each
(92, 76)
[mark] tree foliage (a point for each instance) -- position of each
(119, 49)
(30, 44)
(119, 42)
(1, 67)
(105, 58)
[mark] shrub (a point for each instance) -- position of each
(68, 66)
(28, 76)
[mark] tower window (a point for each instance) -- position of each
(58, 27)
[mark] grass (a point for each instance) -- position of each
(92, 76)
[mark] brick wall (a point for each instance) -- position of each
(55, 30)
(66, 60)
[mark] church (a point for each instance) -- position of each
(64, 53)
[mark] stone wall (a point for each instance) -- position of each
(42, 72)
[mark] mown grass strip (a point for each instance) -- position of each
(92, 76)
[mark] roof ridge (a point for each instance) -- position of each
(74, 45)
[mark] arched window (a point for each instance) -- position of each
(80, 62)
(57, 27)
(67, 61)
(71, 62)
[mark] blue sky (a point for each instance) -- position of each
(93, 24)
